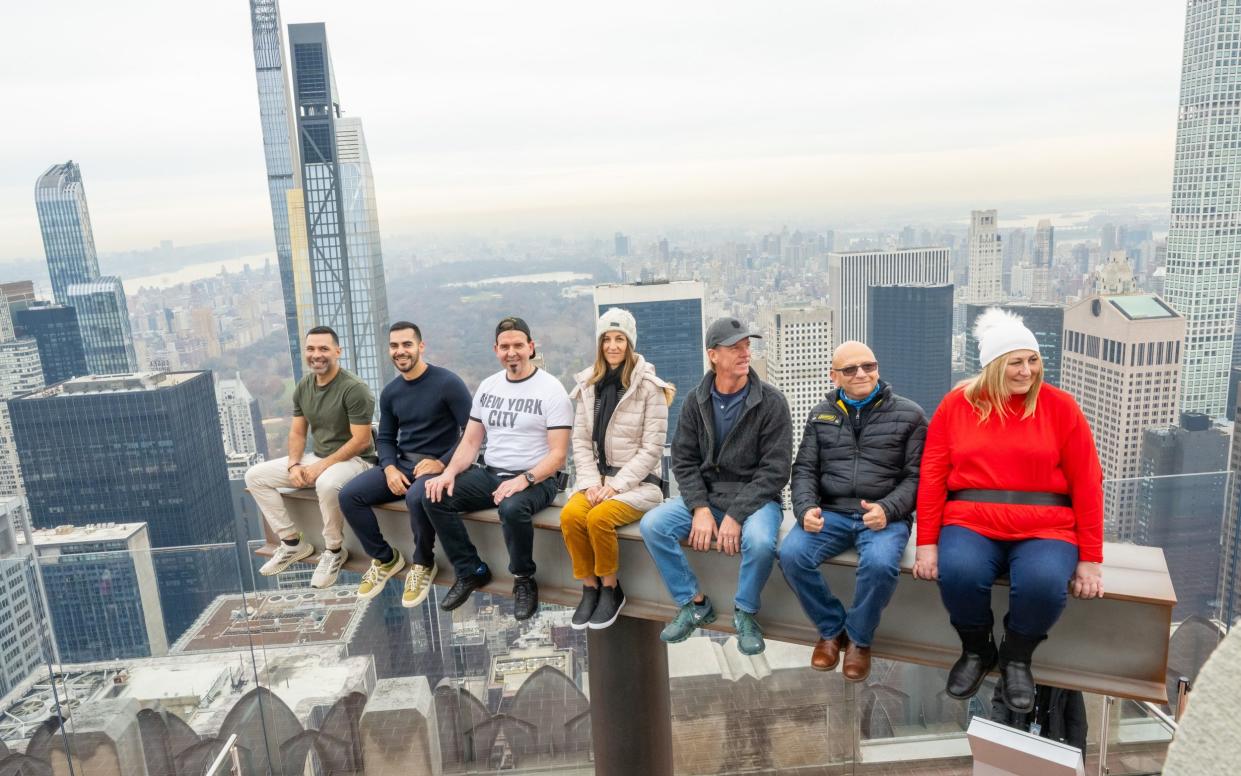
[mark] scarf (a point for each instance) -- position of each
(858, 404)
(607, 395)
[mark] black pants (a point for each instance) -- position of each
(370, 488)
(471, 492)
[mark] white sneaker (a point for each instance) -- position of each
(330, 564)
(285, 556)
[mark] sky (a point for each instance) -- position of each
(572, 116)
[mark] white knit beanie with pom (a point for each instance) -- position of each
(1000, 332)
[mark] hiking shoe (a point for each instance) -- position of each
(749, 635)
(378, 574)
(418, 584)
(691, 617)
(330, 564)
(611, 601)
(462, 587)
(525, 597)
(585, 608)
(285, 556)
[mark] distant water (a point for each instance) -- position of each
(199, 271)
(541, 277)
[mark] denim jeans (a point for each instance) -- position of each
(472, 491)
(667, 525)
(879, 566)
(1038, 570)
(370, 488)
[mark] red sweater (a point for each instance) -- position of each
(1051, 451)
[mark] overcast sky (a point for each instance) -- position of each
(571, 114)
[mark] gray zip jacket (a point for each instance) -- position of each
(755, 458)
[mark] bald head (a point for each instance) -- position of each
(855, 357)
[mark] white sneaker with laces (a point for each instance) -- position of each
(330, 564)
(285, 556)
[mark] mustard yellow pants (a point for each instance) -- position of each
(590, 534)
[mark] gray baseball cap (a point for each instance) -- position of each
(727, 331)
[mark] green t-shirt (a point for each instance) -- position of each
(331, 408)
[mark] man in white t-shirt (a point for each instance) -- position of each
(525, 417)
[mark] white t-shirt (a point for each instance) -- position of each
(517, 416)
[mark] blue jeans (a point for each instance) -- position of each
(879, 565)
(1038, 570)
(667, 525)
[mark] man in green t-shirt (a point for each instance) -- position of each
(336, 407)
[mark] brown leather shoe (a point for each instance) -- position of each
(827, 653)
(857, 663)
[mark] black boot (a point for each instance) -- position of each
(1015, 654)
(978, 657)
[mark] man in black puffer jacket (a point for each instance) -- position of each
(855, 483)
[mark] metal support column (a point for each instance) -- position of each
(630, 703)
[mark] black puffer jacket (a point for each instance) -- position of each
(836, 467)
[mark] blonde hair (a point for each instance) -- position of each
(987, 391)
(601, 365)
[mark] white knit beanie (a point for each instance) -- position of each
(620, 320)
(1000, 332)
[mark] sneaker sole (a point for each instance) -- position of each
(379, 586)
(302, 556)
(435, 569)
(704, 621)
(581, 627)
(601, 625)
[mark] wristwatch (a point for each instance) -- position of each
(529, 478)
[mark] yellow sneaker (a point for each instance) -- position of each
(377, 575)
(418, 584)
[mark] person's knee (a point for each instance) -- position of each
(512, 510)
(654, 525)
(255, 477)
(796, 551)
(600, 520)
(1043, 585)
(759, 541)
(879, 566)
(415, 494)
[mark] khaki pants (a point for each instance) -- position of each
(590, 534)
(264, 479)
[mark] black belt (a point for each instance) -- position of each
(1021, 497)
(612, 471)
(501, 473)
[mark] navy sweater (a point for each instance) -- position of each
(423, 416)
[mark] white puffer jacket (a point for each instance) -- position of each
(635, 436)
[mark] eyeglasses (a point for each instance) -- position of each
(849, 371)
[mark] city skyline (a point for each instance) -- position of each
(491, 123)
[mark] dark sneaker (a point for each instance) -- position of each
(585, 607)
(462, 587)
(749, 635)
(691, 617)
(611, 601)
(525, 597)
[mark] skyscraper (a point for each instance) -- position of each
(986, 260)
(1045, 321)
(911, 334)
(64, 219)
(280, 151)
(1122, 362)
(22, 619)
(1043, 260)
(798, 346)
(342, 224)
(56, 332)
(103, 318)
(20, 372)
(670, 330)
(851, 273)
(240, 421)
(138, 448)
(1203, 271)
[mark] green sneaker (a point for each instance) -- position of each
(691, 617)
(749, 635)
(418, 584)
(378, 574)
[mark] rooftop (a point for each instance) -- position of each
(1137, 307)
(117, 383)
(281, 619)
(72, 534)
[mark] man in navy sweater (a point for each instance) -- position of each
(421, 415)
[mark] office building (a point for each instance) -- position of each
(1042, 261)
(19, 294)
(851, 273)
(911, 334)
(1181, 503)
(280, 152)
(24, 634)
(140, 447)
(620, 245)
(241, 423)
(342, 223)
(64, 219)
(670, 330)
(1045, 321)
(101, 591)
(1230, 536)
(986, 259)
(1122, 362)
(1203, 273)
(20, 372)
(798, 353)
(103, 318)
(58, 336)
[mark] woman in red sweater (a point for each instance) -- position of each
(1010, 484)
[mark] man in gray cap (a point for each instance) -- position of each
(731, 456)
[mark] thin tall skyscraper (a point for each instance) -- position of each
(103, 318)
(1203, 272)
(986, 259)
(279, 149)
(1044, 258)
(342, 224)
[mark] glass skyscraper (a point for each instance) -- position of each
(68, 241)
(1046, 321)
(342, 224)
(55, 330)
(279, 150)
(911, 334)
(1204, 238)
(103, 318)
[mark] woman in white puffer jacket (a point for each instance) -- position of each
(619, 431)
